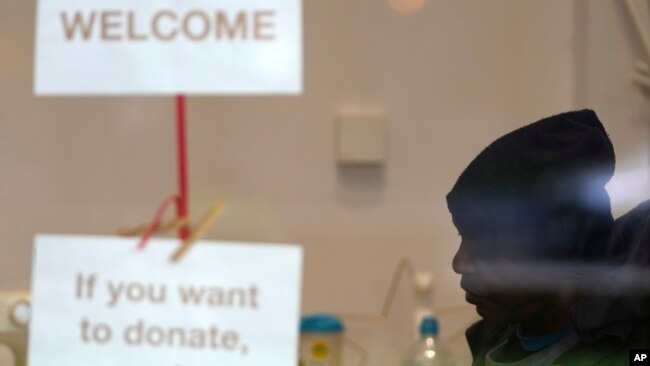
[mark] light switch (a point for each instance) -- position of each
(361, 138)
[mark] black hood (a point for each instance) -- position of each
(550, 173)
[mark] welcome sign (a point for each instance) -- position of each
(168, 47)
(99, 301)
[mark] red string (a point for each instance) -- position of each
(181, 199)
(182, 207)
(155, 222)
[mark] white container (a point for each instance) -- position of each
(321, 340)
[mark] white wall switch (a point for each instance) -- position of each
(361, 138)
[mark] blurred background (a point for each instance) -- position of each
(447, 78)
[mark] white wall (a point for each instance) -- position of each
(610, 47)
(451, 77)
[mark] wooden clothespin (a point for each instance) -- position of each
(208, 220)
(157, 226)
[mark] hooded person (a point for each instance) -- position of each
(554, 277)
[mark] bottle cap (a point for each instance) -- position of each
(429, 326)
(321, 323)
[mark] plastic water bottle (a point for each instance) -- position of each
(428, 351)
(423, 286)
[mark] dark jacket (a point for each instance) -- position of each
(609, 323)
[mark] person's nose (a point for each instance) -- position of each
(463, 261)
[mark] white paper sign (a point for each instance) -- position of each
(110, 47)
(99, 301)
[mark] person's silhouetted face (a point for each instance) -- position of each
(526, 208)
